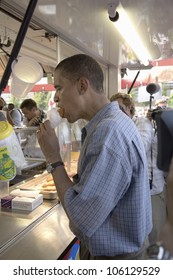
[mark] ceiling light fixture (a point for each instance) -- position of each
(125, 27)
(113, 14)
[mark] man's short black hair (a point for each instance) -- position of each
(10, 106)
(29, 104)
(81, 65)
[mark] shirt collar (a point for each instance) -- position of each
(106, 111)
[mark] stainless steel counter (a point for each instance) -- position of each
(41, 234)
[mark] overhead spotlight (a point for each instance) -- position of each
(113, 14)
(128, 32)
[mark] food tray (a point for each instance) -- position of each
(37, 184)
(49, 194)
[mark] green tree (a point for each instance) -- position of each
(15, 101)
(42, 99)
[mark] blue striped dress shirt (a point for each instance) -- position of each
(110, 206)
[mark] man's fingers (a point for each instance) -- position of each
(46, 125)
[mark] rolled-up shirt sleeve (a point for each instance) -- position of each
(91, 200)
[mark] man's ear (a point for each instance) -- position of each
(82, 85)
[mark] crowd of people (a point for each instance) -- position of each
(28, 116)
(157, 178)
(116, 203)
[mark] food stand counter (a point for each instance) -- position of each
(40, 234)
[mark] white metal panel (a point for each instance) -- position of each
(83, 23)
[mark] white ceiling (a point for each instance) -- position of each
(85, 24)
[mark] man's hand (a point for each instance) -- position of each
(48, 141)
(34, 121)
(49, 144)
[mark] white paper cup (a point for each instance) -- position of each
(26, 72)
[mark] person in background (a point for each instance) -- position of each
(2, 103)
(156, 176)
(166, 236)
(3, 116)
(14, 116)
(108, 203)
(163, 248)
(162, 103)
(125, 103)
(33, 116)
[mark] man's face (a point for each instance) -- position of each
(68, 98)
(29, 114)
